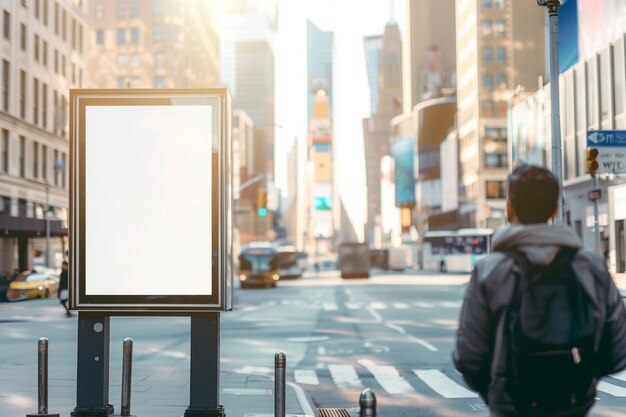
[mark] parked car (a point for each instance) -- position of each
(30, 285)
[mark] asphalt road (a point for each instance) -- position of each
(393, 333)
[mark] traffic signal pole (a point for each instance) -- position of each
(596, 215)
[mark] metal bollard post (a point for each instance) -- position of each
(280, 368)
(42, 380)
(367, 401)
(127, 369)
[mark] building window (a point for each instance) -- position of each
(23, 94)
(80, 39)
(56, 61)
(487, 28)
(156, 33)
(605, 83)
(501, 55)
(159, 82)
(501, 80)
(121, 36)
(64, 25)
(5, 205)
(35, 160)
(74, 34)
(22, 207)
(44, 105)
(496, 160)
(489, 81)
(500, 4)
(56, 18)
(22, 156)
(63, 66)
(167, 33)
(487, 4)
(56, 174)
(64, 170)
(121, 82)
(488, 57)
(121, 61)
(495, 189)
(134, 35)
(44, 162)
(159, 60)
(156, 7)
(6, 25)
(6, 81)
(45, 12)
(99, 37)
(134, 8)
(5, 150)
(488, 108)
(500, 28)
(73, 72)
(44, 51)
(502, 108)
(134, 60)
(36, 48)
(99, 10)
(619, 76)
(23, 37)
(121, 9)
(134, 82)
(35, 101)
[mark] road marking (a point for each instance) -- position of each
(424, 304)
(388, 378)
(450, 304)
(305, 404)
(401, 306)
(246, 391)
(306, 339)
(423, 343)
(396, 328)
(611, 389)
(442, 384)
(378, 306)
(306, 376)
(321, 350)
(620, 375)
(375, 314)
(354, 306)
(344, 376)
(330, 307)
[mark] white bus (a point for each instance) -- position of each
(456, 250)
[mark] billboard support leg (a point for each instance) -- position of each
(92, 383)
(205, 366)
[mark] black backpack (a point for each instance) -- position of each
(550, 330)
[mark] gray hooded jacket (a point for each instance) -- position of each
(479, 354)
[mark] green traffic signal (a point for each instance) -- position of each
(262, 212)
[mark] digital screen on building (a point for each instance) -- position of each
(403, 154)
(147, 197)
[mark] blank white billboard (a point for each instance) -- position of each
(148, 200)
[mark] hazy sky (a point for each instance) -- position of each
(350, 20)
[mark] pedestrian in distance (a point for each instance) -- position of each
(542, 320)
(63, 288)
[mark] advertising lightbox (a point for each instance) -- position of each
(150, 177)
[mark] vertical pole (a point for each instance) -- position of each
(553, 21)
(47, 220)
(92, 383)
(205, 366)
(42, 383)
(280, 368)
(596, 217)
(367, 403)
(127, 369)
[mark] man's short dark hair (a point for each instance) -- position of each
(534, 193)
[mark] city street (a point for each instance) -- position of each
(393, 333)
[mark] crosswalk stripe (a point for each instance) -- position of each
(388, 378)
(400, 306)
(306, 376)
(330, 307)
(442, 384)
(424, 304)
(450, 304)
(354, 306)
(611, 389)
(620, 375)
(378, 306)
(344, 376)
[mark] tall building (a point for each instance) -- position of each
(43, 56)
(429, 54)
(500, 49)
(376, 129)
(372, 46)
(322, 196)
(152, 44)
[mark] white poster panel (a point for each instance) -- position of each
(148, 200)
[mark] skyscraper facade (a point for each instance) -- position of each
(44, 54)
(500, 49)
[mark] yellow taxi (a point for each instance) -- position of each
(30, 285)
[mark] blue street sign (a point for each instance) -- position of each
(601, 138)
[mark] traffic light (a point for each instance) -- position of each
(261, 202)
(592, 163)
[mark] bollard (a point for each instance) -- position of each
(280, 368)
(367, 402)
(42, 380)
(127, 368)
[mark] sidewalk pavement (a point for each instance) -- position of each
(620, 281)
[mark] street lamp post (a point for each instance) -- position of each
(58, 167)
(552, 9)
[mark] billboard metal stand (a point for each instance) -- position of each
(205, 366)
(92, 384)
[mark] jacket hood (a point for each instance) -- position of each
(540, 242)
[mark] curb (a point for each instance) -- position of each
(306, 403)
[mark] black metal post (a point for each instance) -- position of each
(367, 402)
(205, 366)
(280, 368)
(42, 380)
(127, 369)
(92, 382)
